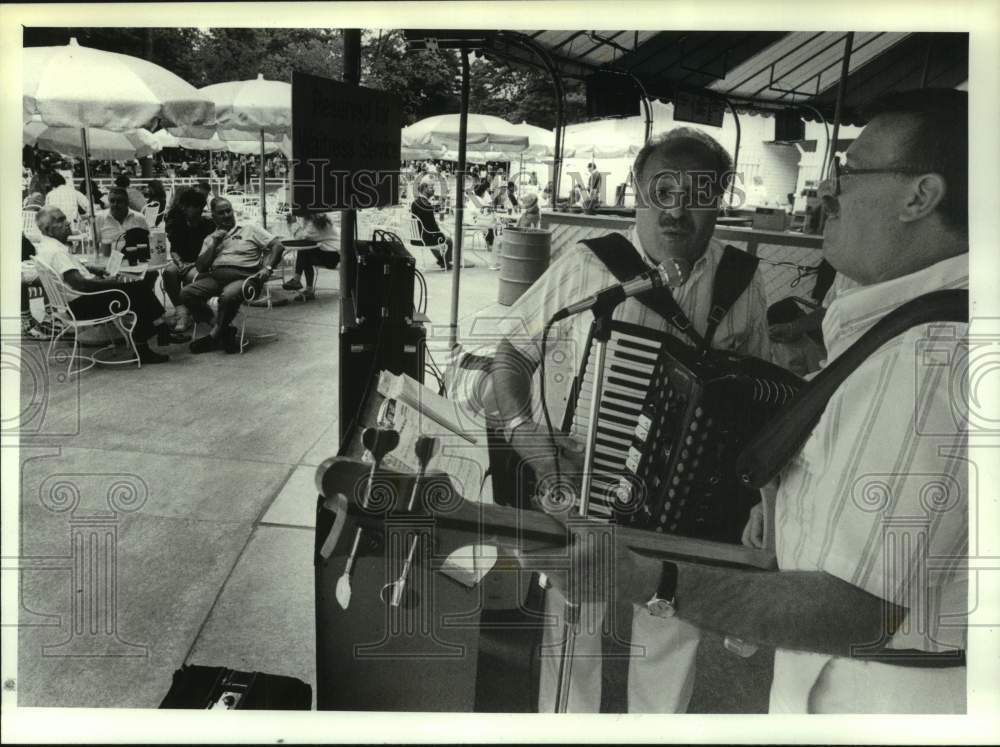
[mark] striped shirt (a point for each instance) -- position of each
(878, 495)
(578, 273)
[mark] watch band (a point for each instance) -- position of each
(664, 602)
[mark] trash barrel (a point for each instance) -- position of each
(524, 256)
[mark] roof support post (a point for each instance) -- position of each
(463, 128)
(845, 69)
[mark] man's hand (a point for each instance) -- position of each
(533, 444)
(787, 332)
(601, 567)
(753, 532)
(218, 235)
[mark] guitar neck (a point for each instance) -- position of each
(525, 531)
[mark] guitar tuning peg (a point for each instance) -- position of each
(425, 448)
(380, 441)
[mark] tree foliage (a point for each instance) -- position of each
(427, 83)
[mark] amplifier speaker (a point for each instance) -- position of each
(369, 349)
(788, 126)
(383, 284)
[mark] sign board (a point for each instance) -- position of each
(703, 110)
(345, 145)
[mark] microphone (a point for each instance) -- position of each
(670, 273)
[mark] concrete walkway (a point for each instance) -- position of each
(167, 512)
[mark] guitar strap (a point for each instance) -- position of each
(781, 438)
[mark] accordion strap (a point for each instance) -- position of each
(781, 438)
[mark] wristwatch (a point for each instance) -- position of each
(515, 423)
(664, 601)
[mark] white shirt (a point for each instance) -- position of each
(578, 272)
(55, 255)
(878, 495)
(69, 200)
(109, 228)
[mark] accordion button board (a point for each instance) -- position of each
(671, 421)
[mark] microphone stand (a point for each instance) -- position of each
(600, 332)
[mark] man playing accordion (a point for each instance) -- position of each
(867, 612)
(681, 177)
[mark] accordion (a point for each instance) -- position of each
(670, 422)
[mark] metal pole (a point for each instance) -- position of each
(736, 154)
(463, 127)
(90, 190)
(844, 70)
(348, 219)
(263, 202)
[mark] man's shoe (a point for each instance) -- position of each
(231, 341)
(166, 336)
(204, 345)
(148, 356)
(34, 332)
(309, 294)
(292, 285)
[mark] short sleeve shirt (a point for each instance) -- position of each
(110, 228)
(244, 247)
(578, 273)
(56, 257)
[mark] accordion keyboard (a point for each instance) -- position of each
(631, 361)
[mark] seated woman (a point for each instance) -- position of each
(319, 228)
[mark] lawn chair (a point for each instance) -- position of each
(414, 240)
(151, 212)
(124, 319)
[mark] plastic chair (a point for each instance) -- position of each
(59, 300)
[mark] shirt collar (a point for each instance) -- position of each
(855, 310)
(714, 248)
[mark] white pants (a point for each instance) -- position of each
(661, 669)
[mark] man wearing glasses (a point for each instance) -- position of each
(682, 175)
(868, 611)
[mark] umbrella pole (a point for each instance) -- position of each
(90, 189)
(263, 204)
(463, 126)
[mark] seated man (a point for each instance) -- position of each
(430, 232)
(79, 278)
(118, 218)
(228, 257)
(136, 201)
(67, 198)
(186, 233)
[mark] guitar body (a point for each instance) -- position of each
(447, 648)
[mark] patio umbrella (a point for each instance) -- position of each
(485, 133)
(68, 141)
(256, 106)
(606, 138)
(59, 89)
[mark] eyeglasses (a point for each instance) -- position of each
(839, 170)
